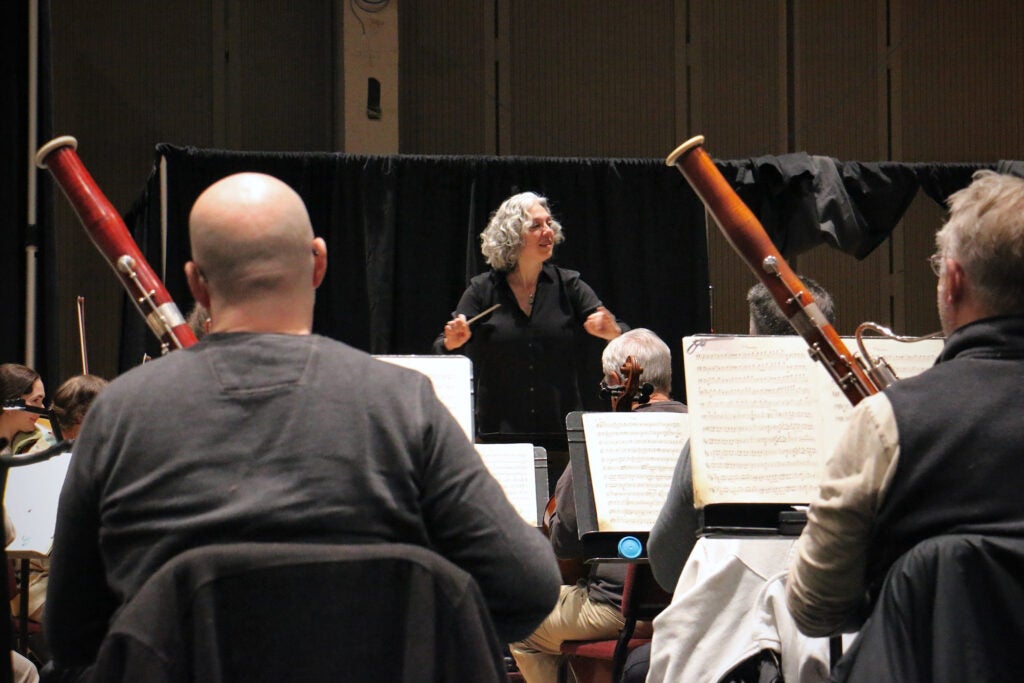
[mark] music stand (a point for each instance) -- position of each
(6, 463)
(597, 545)
(630, 460)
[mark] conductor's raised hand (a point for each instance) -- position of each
(601, 323)
(456, 332)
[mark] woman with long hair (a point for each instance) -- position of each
(18, 431)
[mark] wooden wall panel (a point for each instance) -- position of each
(281, 73)
(910, 80)
(959, 80)
(592, 79)
(737, 62)
(861, 289)
(839, 79)
(956, 94)
(125, 77)
(840, 110)
(737, 57)
(914, 298)
(446, 77)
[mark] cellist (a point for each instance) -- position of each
(591, 608)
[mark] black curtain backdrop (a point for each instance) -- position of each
(15, 233)
(403, 231)
(403, 238)
(13, 116)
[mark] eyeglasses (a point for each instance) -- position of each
(936, 261)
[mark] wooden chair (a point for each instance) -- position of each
(602, 661)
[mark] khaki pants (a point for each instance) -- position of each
(575, 617)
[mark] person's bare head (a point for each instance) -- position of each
(256, 264)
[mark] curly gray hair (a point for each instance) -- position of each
(502, 239)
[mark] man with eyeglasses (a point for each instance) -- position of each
(935, 454)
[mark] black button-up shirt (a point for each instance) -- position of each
(525, 367)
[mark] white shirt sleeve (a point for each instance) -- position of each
(826, 588)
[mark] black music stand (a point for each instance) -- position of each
(540, 471)
(7, 638)
(761, 520)
(751, 519)
(598, 545)
(7, 462)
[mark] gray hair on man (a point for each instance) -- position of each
(985, 235)
(767, 318)
(648, 350)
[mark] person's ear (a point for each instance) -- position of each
(956, 281)
(197, 284)
(319, 261)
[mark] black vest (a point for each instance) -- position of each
(961, 437)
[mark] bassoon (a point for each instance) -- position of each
(748, 237)
(108, 232)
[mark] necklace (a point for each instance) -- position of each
(530, 295)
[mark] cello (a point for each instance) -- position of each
(622, 398)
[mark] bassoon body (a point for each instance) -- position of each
(108, 232)
(748, 237)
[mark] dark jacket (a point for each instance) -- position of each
(301, 612)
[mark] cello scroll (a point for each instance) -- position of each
(623, 396)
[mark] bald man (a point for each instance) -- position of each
(264, 431)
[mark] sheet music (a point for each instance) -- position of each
(31, 502)
(512, 464)
(452, 377)
(766, 416)
(632, 457)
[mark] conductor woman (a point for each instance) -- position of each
(524, 352)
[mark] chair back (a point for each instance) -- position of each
(950, 609)
(302, 612)
(596, 661)
(642, 597)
